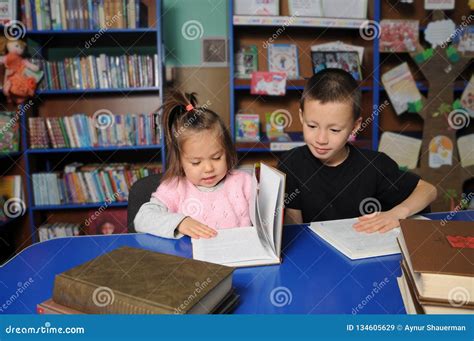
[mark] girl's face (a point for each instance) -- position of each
(204, 159)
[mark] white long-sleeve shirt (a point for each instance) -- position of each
(154, 218)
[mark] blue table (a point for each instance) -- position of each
(313, 279)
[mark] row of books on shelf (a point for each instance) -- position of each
(102, 130)
(56, 230)
(12, 203)
(83, 14)
(284, 58)
(93, 183)
(100, 72)
(110, 221)
(9, 132)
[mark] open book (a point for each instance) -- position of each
(259, 244)
(357, 245)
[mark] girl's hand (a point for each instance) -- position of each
(381, 222)
(195, 229)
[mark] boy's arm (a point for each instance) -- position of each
(423, 194)
(293, 216)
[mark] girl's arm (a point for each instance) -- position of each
(153, 218)
(423, 194)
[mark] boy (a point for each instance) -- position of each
(329, 179)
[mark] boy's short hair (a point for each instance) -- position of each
(333, 85)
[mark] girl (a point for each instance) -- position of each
(200, 190)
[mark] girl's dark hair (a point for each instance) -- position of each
(181, 117)
(333, 85)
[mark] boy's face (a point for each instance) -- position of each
(326, 129)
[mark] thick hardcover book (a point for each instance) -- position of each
(439, 257)
(226, 306)
(259, 244)
(135, 281)
(414, 304)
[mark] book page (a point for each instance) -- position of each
(266, 200)
(355, 245)
(239, 244)
(404, 150)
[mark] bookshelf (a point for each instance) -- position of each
(304, 31)
(56, 45)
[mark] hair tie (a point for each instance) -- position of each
(189, 107)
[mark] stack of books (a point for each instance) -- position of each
(83, 131)
(83, 14)
(135, 281)
(94, 183)
(437, 272)
(100, 72)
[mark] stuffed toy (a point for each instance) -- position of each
(21, 76)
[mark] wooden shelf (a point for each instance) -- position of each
(287, 21)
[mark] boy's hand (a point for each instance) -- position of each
(380, 222)
(195, 229)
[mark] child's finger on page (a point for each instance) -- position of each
(204, 231)
(367, 225)
(209, 230)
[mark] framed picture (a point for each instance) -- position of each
(345, 60)
(214, 51)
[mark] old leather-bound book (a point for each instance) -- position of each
(439, 257)
(135, 281)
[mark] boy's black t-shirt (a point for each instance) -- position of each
(347, 190)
